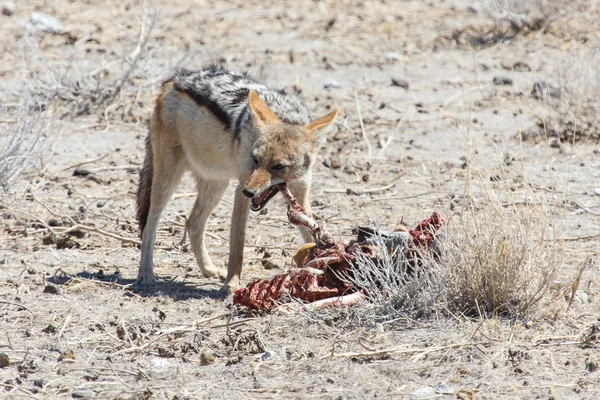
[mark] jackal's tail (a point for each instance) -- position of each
(145, 188)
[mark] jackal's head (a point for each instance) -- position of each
(282, 152)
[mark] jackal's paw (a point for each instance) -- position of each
(211, 271)
(227, 290)
(145, 280)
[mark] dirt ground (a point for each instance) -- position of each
(90, 336)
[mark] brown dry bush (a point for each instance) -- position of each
(496, 258)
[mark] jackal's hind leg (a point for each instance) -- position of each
(169, 166)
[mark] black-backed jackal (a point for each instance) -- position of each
(223, 126)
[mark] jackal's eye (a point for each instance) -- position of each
(254, 160)
(279, 167)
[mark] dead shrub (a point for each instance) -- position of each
(496, 258)
(573, 104)
(22, 141)
(523, 16)
(109, 87)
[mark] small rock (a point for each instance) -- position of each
(401, 82)
(332, 85)
(82, 394)
(542, 89)
(40, 382)
(597, 191)
(392, 56)
(424, 393)
(443, 388)
(45, 23)
(4, 360)
(66, 355)
(266, 356)
(159, 363)
(81, 172)
(206, 358)
(55, 222)
(9, 8)
(502, 80)
(49, 239)
(51, 289)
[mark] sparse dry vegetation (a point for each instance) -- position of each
(507, 309)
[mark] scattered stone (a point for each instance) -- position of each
(392, 56)
(502, 80)
(206, 358)
(65, 242)
(542, 89)
(49, 239)
(82, 394)
(4, 360)
(332, 85)
(424, 393)
(40, 382)
(66, 355)
(159, 363)
(9, 8)
(50, 329)
(401, 82)
(519, 66)
(55, 222)
(45, 23)
(51, 288)
(597, 191)
(81, 172)
(266, 356)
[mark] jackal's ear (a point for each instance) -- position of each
(319, 124)
(261, 112)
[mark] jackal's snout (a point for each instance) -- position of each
(259, 180)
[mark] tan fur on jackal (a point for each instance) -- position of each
(215, 124)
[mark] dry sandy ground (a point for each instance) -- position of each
(97, 339)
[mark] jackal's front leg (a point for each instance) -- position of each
(239, 219)
(209, 195)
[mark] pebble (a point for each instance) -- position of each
(542, 89)
(66, 355)
(45, 23)
(401, 82)
(51, 289)
(502, 80)
(332, 85)
(392, 56)
(4, 360)
(597, 191)
(159, 363)
(206, 358)
(423, 393)
(9, 8)
(82, 394)
(267, 355)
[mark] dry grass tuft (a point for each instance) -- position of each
(502, 259)
(496, 258)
